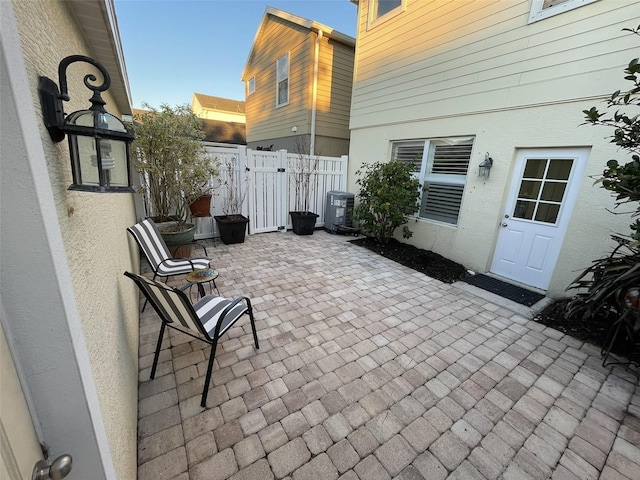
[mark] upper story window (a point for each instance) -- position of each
(251, 85)
(282, 80)
(541, 9)
(381, 10)
(441, 166)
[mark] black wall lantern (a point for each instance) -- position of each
(484, 169)
(98, 141)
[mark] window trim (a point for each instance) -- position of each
(251, 85)
(280, 80)
(426, 166)
(539, 13)
(372, 22)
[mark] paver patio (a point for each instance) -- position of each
(369, 370)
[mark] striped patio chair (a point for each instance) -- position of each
(153, 246)
(155, 250)
(206, 320)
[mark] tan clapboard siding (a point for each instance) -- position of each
(335, 80)
(438, 59)
(264, 120)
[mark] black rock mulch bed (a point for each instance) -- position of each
(425, 261)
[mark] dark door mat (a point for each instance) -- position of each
(506, 290)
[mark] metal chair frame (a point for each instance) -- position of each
(176, 311)
(155, 250)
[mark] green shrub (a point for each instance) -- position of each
(623, 178)
(388, 196)
(608, 283)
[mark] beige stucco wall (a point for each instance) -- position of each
(94, 234)
(472, 242)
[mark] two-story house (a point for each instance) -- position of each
(298, 80)
(448, 86)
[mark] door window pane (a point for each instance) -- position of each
(534, 168)
(553, 192)
(524, 209)
(547, 212)
(529, 189)
(559, 169)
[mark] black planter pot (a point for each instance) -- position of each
(303, 222)
(232, 228)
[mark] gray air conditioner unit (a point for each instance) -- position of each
(338, 215)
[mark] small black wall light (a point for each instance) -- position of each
(98, 141)
(485, 166)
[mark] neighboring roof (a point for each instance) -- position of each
(99, 24)
(219, 103)
(216, 130)
(303, 22)
(138, 112)
(225, 132)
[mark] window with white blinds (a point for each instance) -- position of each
(441, 166)
(541, 9)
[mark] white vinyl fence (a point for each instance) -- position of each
(266, 181)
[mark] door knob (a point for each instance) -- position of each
(59, 469)
(506, 215)
(505, 224)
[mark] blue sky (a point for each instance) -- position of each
(175, 48)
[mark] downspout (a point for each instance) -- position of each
(314, 94)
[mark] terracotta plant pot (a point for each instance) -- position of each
(201, 206)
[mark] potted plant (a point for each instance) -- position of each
(174, 168)
(232, 225)
(303, 175)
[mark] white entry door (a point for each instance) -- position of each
(541, 198)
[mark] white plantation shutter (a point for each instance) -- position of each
(441, 202)
(410, 152)
(442, 172)
(451, 159)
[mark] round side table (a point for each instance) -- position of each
(202, 276)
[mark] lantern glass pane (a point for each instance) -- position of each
(85, 160)
(109, 122)
(82, 117)
(115, 164)
(105, 121)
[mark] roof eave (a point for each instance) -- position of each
(99, 24)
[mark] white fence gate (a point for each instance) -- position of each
(266, 180)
